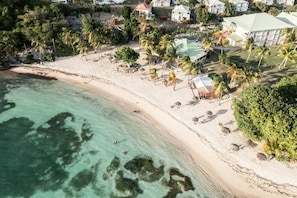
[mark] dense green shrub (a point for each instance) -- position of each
(269, 114)
(48, 57)
(30, 59)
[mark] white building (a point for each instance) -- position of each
(102, 2)
(262, 27)
(180, 13)
(215, 6)
(266, 2)
(161, 3)
(240, 5)
(285, 2)
(145, 11)
(289, 18)
(61, 1)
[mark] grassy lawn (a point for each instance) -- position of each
(270, 73)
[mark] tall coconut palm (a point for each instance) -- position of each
(146, 41)
(39, 45)
(143, 23)
(249, 46)
(286, 34)
(219, 86)
(233, 72)
(247, 76)
(220, 37)
(8, 44)
(165, 42)
(171, 55)
(263, 52)
(188, 66)
(171, 79)
(154, 75)
(288, 53)
(207, 44)
(148, 56)
(67, 37)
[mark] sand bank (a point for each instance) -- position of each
(240, 172)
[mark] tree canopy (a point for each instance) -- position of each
(127, 55)
(268, 114)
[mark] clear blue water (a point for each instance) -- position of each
(56, 140)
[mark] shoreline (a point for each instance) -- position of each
(235, 178)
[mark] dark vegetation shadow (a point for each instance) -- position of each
(221, 111)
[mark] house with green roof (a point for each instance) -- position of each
(262, 27)
(191, 48)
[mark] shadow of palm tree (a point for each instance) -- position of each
(221, 111)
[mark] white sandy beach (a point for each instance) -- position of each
(239, 172)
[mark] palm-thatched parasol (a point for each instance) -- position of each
(209, 114)
(195, 119)
(178, 104)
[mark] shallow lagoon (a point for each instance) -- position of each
(57, 140)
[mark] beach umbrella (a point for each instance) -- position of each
(195, 119)
(209, 113)
(178, 104)
(234, 147)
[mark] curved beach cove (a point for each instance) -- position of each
(239, 173)
(58, 140)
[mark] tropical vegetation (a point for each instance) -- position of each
(268, 114)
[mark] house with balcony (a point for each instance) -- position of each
(266, 2)
(240, 5)
(145, 10)
(180, 13)
(262, 27)
(161, 3)
(215, 6)
(61, 1)
(285, 2)
(102, 2)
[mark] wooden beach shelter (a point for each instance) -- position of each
(204, 86)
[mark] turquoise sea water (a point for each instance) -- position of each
(56, 140)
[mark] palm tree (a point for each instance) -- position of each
(39, 45)
(219, 86)
(288, 53)
(249, 46)
(67, 37)
(233, 72)
(171, 55)
(8, 44)
(145, 41)
(154, 75)
(247, 76)
(143, 25)
(207, 44)
(148, 56)
(165, 42)
(186, 64)
(220, 36)
(285, 34)
(263, 52)
(171, 79)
